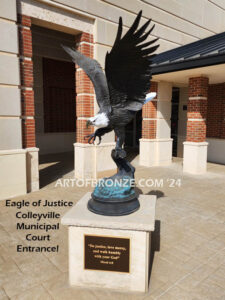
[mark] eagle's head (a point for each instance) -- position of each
(100, 120)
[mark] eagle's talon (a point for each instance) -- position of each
(91, 140)
(100, 139)
(92, 137)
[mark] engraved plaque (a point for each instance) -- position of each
(106, 253)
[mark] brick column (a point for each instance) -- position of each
(195, 147)
(84, 89)
(26, 75)
(156, 144)
(27, 102)
(91, 161)
(149, 113)
(84, 153)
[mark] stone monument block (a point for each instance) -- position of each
(110, 251)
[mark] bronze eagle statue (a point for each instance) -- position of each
(122, 90)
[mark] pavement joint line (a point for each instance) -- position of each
(185, 276)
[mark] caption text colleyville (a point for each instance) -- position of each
(37, 217)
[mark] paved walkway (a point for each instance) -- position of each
(188, 244)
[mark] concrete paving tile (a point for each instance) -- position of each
(178, 293)
(190, 242)
(165, 296)
(155, 284)
(19, 283)
(217, 243)
(207, 289)
(195, 277)
(1, 259)
(167, 272)
(57, 285)
(6, 221)
(153, 294)
(36, 293)
(59, 288)
(7, 270)
(76, 294)
(60, 261)
(219, 276)
(216, 260)
(4, 235)
(188, 283)
(220, 216)
(3, 295)
(42, 268)
(23, 261)
(203, 253)
(111, 294)
(191, 264)
(173, 255)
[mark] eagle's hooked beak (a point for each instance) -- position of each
(88, 123)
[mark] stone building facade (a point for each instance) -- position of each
(31, 34)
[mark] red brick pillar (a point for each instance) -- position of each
(27, 102)
(197, 109)
(85, 90)
(26, 74)
(84, 154)
(195, 147)
(149, 112)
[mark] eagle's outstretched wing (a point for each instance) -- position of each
(127, 66)
(94, 71)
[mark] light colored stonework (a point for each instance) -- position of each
(195, 157)
(136, 227)
(12, 175)
(92, 159)
(141, 220)
(32, 164)
(155, 152)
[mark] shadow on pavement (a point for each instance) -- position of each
(54, 166)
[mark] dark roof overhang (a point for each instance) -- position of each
(205, 52)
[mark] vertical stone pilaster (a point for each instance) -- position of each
(156, 144)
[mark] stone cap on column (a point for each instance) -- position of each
(141, 220)
(196, 143)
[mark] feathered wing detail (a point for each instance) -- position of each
(94, 71)
(127, 66)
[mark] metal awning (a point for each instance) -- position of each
(206, 52)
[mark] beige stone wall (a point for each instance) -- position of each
(12, 173)
(177, 22)
(12, 157)
(10, 111)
